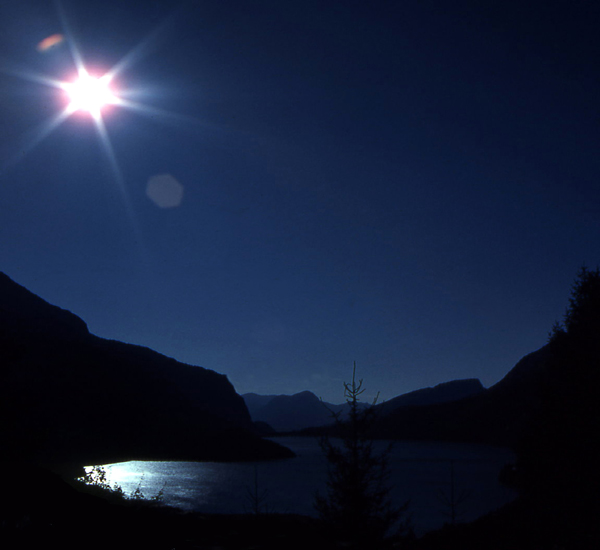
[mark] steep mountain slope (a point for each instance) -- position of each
(442, 393)
(291, 412)
(67, 395)
(499, 415)
(305, 410)
(255, 402)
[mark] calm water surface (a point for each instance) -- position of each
(421, 473)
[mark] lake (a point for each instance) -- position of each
(422, 472)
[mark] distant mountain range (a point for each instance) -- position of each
(69, 396)
(499, 415)
(285, 413)
(445, 392)
(460, 410)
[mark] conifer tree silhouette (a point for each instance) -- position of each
(357, 511)
(558, 457)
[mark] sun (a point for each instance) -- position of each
(89, 93)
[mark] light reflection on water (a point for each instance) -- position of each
(420, 471)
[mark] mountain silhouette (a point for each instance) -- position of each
(441, 393)
(69, 396)
(286, 413)
(499, 415)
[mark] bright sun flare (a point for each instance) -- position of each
(90, 94)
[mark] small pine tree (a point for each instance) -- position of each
(357, 511)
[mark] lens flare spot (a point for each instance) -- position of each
(50, 42)
(164, 191)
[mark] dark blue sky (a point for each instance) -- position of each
(411, 185)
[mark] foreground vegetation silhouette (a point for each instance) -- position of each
(557, 471)
(558, 461)
(357, 511)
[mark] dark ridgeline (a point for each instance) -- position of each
(497, 416)
(548, 409)
(67, 396)
(560, 457)
(287, 413)
(457, 411)
(445, 392)
(460, 411)
(519, 405)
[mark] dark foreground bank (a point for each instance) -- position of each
(40, 510)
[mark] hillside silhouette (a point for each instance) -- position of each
(445, 392)
(286, 413)
(499, 415)
(69, 396)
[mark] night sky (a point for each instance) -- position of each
(409, 185)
